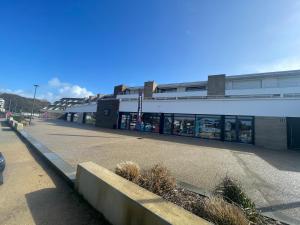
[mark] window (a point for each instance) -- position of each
(199, 88)
(166, 90)
(245, 124)
(69, 117)
(125, 120)
(76, 117)
(151, 122)
(133, 121)
(230, 128)
(184, 124)
(208, 126)
(168, 121)
(90, 118)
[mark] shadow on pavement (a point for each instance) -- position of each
(287, 160)
(53, 206)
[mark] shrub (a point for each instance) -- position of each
(129, 170)
(232, 192)
(220, 212)
(158, 180)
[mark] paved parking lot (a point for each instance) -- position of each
(33, 194)
(271, 178)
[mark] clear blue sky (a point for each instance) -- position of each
(77, 47)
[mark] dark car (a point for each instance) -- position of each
(2, 162)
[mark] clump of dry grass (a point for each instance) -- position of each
(231, 191)
(158, 180)
(129, 170)
(220, 212)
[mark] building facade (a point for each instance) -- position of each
(261, 109)
(2, 105)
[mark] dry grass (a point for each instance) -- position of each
(221, 212)
(129, 170)
(232, 191)
(158, 180)
(229, 206)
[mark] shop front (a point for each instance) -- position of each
(217, 127)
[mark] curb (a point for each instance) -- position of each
(64, 169)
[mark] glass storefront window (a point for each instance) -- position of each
(90, 118)
(124, 124)
(133, 121)
(230, 128)
(184, 125)
(167, 124)
(245, 129)
(151, 122)
(76, 117)
(208, 126)
(69, 117)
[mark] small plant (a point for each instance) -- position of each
(158, 180)
(232, 192)
(220, 212)
(129, 170)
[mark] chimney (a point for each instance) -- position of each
(149, 89)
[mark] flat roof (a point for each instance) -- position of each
(229, 77)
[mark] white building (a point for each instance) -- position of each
(2, 105)
(261, 109)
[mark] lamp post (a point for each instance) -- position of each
(35, 87)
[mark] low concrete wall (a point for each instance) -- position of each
(123, 202)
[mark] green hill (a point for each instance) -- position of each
(22, 104)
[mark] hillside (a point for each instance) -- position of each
(19, 103)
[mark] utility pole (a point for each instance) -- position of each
(35, 87)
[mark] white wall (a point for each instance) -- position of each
(282, 107)
(179, 94)
(255, 83)
(83, 108)
(256, 91)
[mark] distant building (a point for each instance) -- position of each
(260, 109)
(2, 104)
(57, 108)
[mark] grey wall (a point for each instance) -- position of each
(270, 132)
(216, 85)
(109, 120)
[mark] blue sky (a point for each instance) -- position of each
(77, 48)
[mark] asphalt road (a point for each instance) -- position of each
(271, 178)
(33, 194)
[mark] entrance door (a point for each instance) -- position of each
(293, 133)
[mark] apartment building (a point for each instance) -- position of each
(2, 105)
(261, 109)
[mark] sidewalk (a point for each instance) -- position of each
(33, 194)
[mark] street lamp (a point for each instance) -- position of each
(35, 87)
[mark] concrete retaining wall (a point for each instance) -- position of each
(270, 132)
(123, 202)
